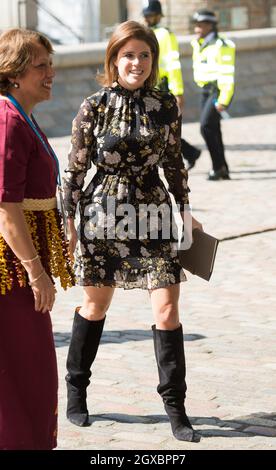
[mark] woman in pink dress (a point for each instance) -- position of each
(32, 247)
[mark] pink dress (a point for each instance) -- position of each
(28, 369)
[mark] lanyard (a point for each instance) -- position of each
(50, 152)
(47, 147)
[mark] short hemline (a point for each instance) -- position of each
(121, 285)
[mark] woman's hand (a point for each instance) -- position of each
(186, 217)
(43, 289)
(72, 237)
(44, 292)
(196, 224)
(15, 231)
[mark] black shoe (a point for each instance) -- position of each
(192, 160)
(221, 174)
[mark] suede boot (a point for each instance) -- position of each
(169, 353)
(83, 348)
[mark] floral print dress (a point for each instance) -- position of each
(127, 135)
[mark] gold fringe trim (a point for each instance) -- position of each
(49, 241)
(39, 204)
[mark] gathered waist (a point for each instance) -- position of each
(30, 204)
(146, 179)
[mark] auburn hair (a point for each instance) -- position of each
(17, 49)
(122, 34)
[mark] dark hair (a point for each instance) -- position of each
(122, 34)
(17, 49)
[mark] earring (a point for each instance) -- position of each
(15, 85)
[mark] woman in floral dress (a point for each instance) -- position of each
(127, 130)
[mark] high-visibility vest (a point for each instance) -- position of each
(169, 61)
(215, 64)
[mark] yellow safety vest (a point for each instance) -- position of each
(215, 63)
(169, 60)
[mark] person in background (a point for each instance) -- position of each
(127, 130)
(170, 75)
(32, 247)
(214, 66)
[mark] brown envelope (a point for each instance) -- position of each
(200, 257)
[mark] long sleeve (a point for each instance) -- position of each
(169, 62)
(175, 80)
(173, 165)
(80, 156)
(226, 71)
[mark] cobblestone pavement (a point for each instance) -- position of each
(229, 323)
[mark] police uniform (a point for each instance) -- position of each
(170, 75)
(214, 66)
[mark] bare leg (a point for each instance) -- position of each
(96, 301)
(164, 303)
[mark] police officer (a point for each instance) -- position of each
(213, 64)
(170, 75)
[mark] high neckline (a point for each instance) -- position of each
(137, 93)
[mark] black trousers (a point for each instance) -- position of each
(211, 129)
(189, 152)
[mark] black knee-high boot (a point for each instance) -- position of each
(169, 353)
(83, 348)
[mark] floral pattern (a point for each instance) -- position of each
(127, 135)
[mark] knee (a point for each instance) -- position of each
(167, 317)
(94, 311)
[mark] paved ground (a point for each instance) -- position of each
(229, 323)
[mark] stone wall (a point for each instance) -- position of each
(77, 66)
(243, 14)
